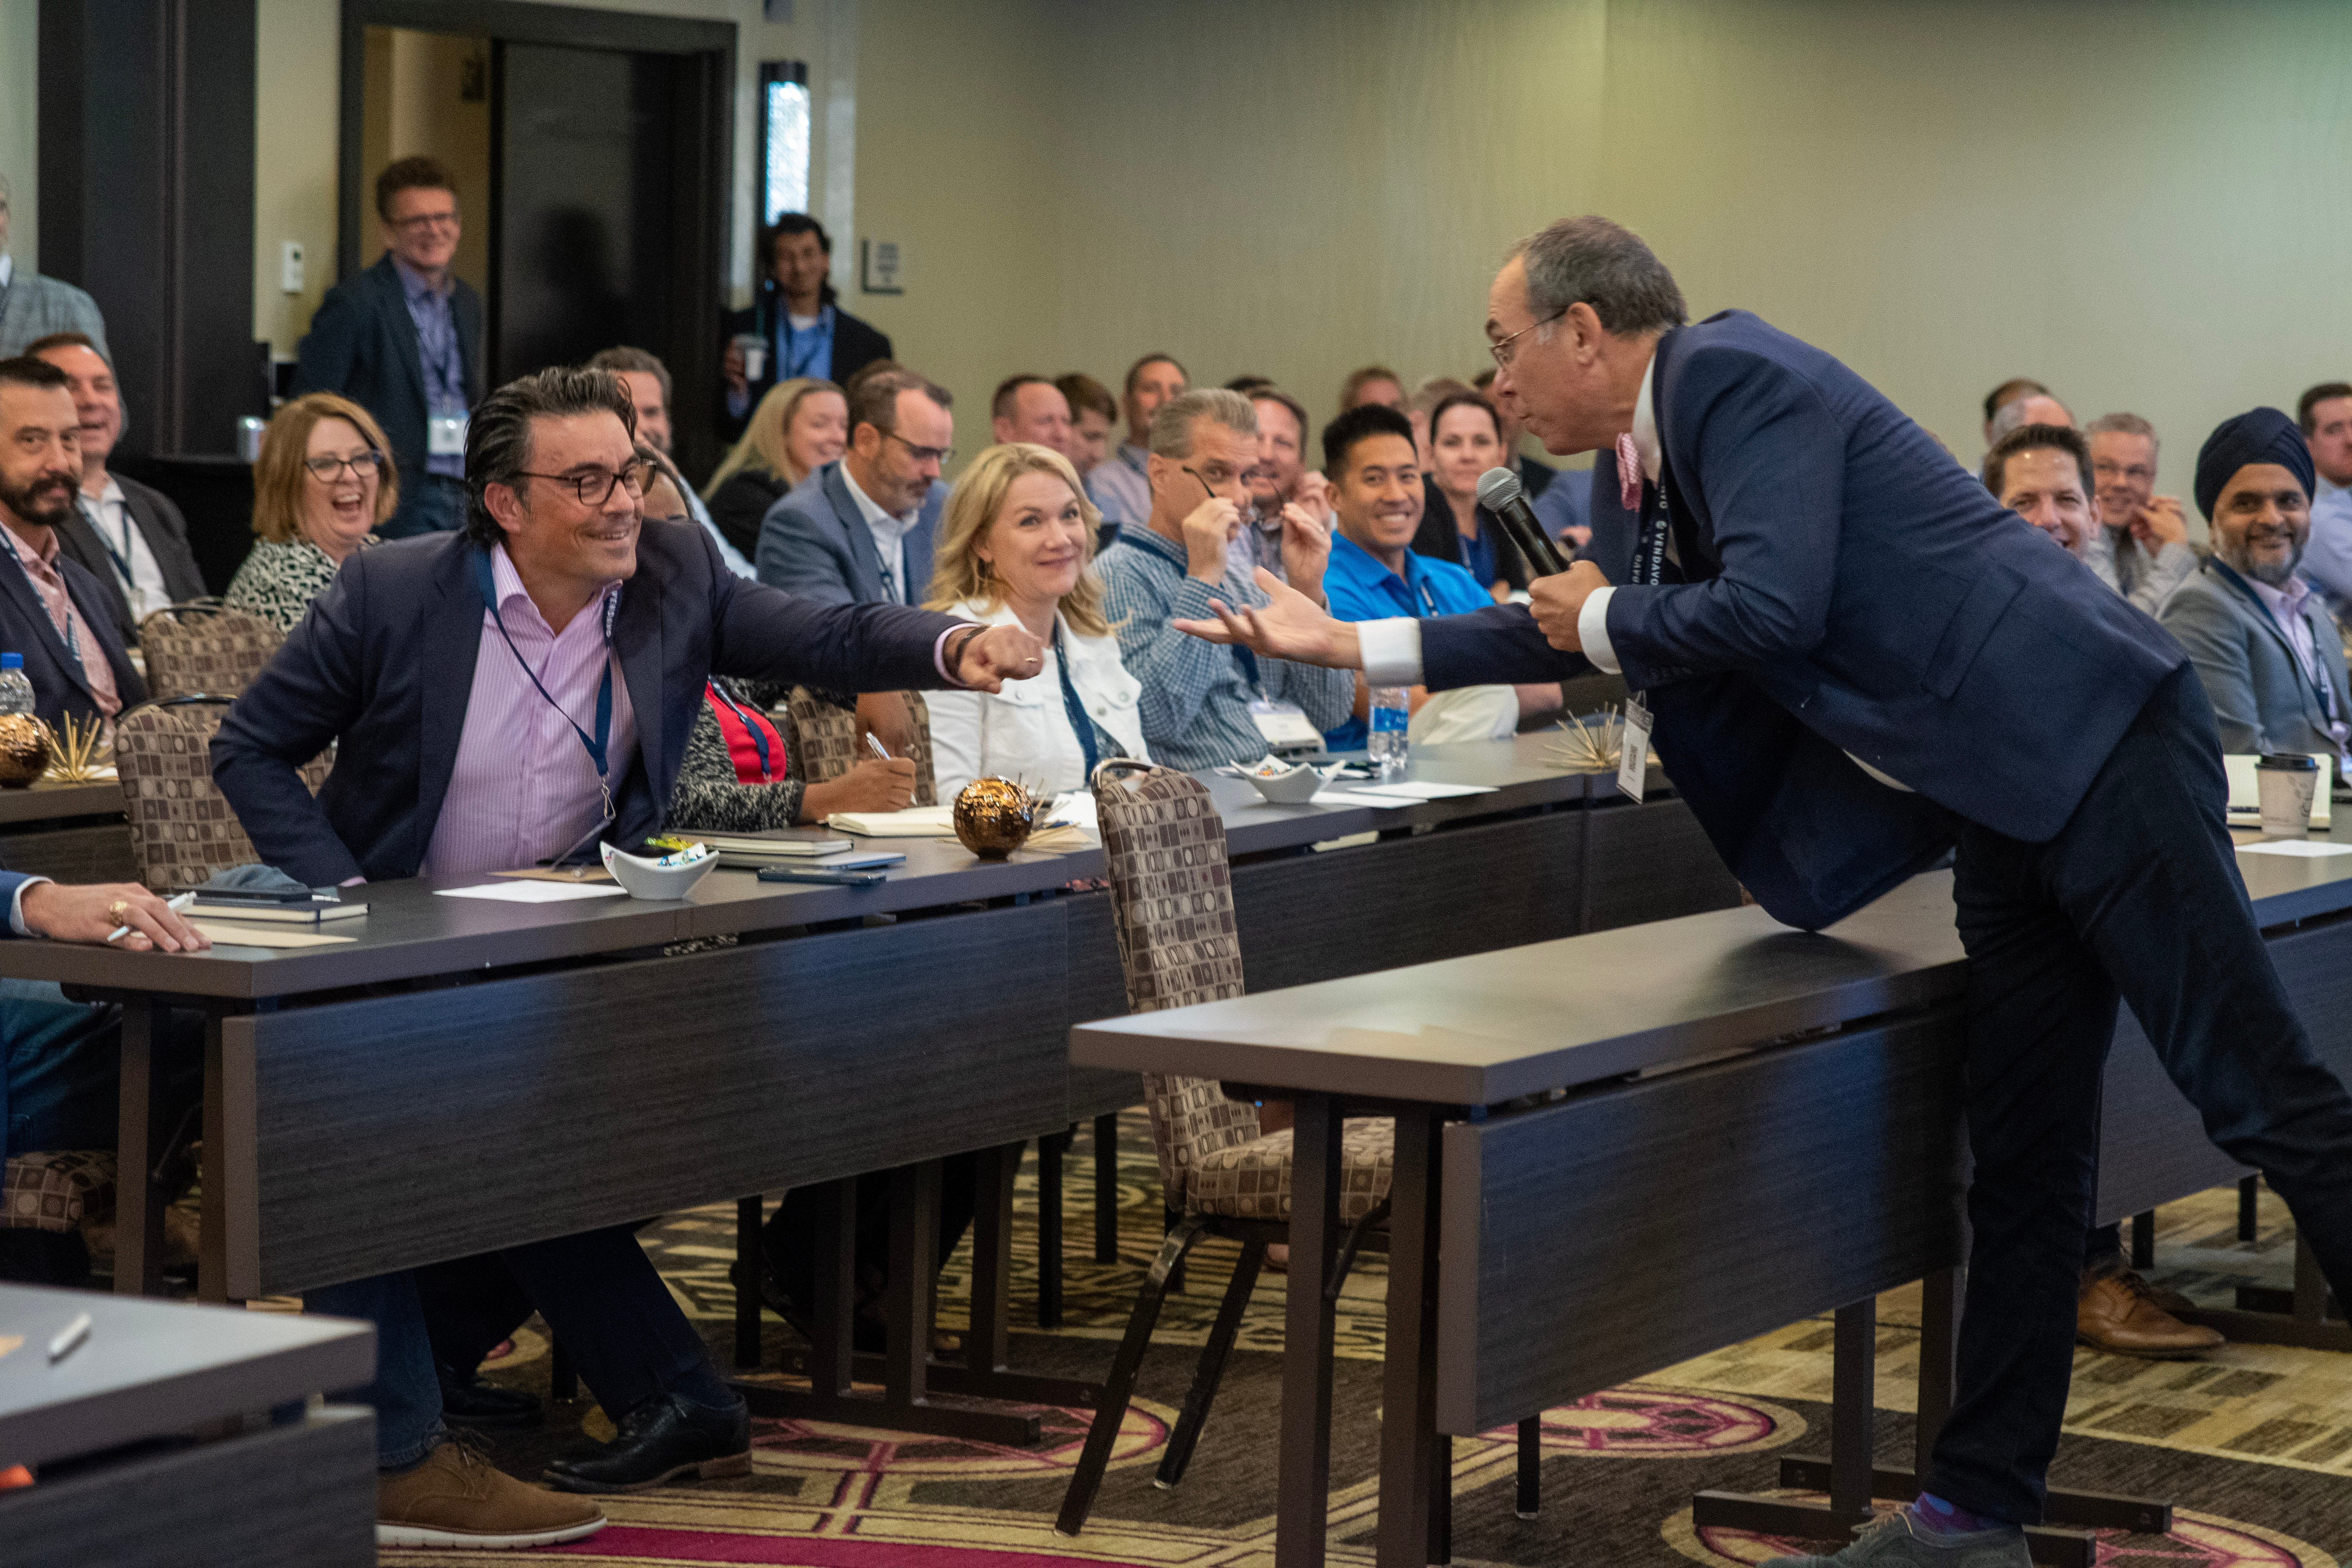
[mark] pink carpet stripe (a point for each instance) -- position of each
(701, 1546)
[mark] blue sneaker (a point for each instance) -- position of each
(1898, 1540)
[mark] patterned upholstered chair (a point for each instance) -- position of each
(826, 733)
(182, 828)
(195, 650)
(45, 1197)
(1172, 908)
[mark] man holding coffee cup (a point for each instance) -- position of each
(2269, 656)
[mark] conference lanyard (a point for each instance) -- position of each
(66, 627)
(1650, 550)
(594, 745)
(753, 746)
(2313, 674)
(1082, 724)
(121, 558)
(797, 361)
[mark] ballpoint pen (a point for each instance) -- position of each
(880, 750)
(175, 903)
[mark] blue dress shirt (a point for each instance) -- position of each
(1362, 589)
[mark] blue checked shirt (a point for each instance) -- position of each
(1196, 695)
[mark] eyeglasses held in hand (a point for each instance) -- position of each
(1502, 351)
(361, 464)
(942, 456)
(596, 484)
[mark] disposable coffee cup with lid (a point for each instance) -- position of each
(2288, 781)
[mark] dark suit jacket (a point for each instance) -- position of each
(855, 344)
(59, 685)
(362, 344)
(166, 532)
(1850, 589)
(2262, 699)
(384, 664)
(815, 544)
(741, 505)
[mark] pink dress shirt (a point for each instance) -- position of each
(41, 571)
(524, 788)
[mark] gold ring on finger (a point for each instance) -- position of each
(118, 911)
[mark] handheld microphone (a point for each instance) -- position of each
(1499, 492)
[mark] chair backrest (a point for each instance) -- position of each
(826, 735)
(1172, 906)
(182, 828)
(193, 650)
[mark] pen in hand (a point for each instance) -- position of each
(175, 903)
(880, 750)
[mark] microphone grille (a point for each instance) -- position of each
(1498, 488)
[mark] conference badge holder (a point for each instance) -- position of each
(1634, 760)
(445, 436)
(1285, 726)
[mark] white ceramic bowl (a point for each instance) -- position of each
(1295, 787)
(647, 878)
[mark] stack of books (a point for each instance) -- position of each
(774, 845)
(298, 906)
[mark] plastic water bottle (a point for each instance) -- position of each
(15, 690)
(1391, 717)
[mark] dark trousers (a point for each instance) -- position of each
(429, 503)
(2138, 897)
(791, 1236)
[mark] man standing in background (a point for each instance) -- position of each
(796, 326)
(32, 306)
(403, 341)
(1121, 487)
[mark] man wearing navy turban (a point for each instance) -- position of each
(2266, 650)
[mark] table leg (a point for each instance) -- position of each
(141, 1136)
(833, 1314)
(212, 1177)
(749, 1263)
(912, 1297)
(1409, 1441)
(1302, 1505)
(1853, 1411)
(986, 1344)
(1049, 1228)
(1107, 1188)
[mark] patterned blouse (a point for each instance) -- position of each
(278, 581)
(709, 798)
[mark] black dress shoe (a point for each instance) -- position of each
(467, 1400)
(665, 1438)
(868, 1335)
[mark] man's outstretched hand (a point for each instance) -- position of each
(1293, 627)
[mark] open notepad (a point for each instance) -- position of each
(915, 822)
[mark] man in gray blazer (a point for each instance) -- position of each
(2270, 659)
(860, 531)
(32, 306)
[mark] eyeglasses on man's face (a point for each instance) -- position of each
(593, 485)
(1505, 350)
(358, 465)
(423, 221)
(939, 455)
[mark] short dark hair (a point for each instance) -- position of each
(1454, 400)
(2037, 438)
(1138, 366)
(1593, 262)
(787, 225)
(1000, 407)
(25, 371)
(2312, 399)
(633, 359)
(1270, 392)
(498, 436)
(2009, 392)
(1082, 391)
(66, 340)
(873, 399)
(410, 175)
(1358, 423)
(1353, 387)
(1249, 386)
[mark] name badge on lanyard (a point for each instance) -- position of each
(445, 436)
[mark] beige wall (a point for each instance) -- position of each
(20, 145)
(416, 106)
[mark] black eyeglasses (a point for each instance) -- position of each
(327, 470)
(596, 484)
(942, 456)
(1502, 351)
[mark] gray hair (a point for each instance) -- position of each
(1171, 427)
(625, 358)
(1593, 262)
(2123, 425)
(499, 435)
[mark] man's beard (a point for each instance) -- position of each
(2272, 574)
(28, 504)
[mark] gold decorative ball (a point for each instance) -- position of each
(24, 750)
(994, 818)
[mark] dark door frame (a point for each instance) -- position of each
(702, 206)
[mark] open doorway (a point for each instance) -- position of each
(591, 151)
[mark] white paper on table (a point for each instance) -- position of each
(533, 892)
(1075, 809)
(1413, 791)
(915, 822)
(1350, 797)
(2299, 848)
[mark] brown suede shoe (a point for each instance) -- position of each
(2118, 1314)
(457, 1499)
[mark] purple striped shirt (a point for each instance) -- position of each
(524, 787)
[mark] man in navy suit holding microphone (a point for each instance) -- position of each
(1855, 659)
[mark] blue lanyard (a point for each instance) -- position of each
(121, 558)
(819, 337)
(595, 745)
(752, 725)
(1081, 722)
(72, 640)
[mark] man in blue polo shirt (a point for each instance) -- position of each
(1376, 489)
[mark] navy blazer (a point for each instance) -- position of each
(1850, 591)
(384, 664)
(815, 542)
(59, 685)
(159, 522)
(362, 344)
(857, 343)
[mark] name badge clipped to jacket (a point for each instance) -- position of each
(1633, 757)
(1284, 724)
(445, 436)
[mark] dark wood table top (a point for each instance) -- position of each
(47, 802)
(154, 1368)
(410, 933)
(1495, 1025)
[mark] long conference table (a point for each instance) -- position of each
(1620, 1149)
(467, 1075)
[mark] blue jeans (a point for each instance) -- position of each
(600, 1296)
(64, 1069)
(2137, 898)
(429, 503)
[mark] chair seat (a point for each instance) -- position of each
(56, 1190)
(1251, 1179)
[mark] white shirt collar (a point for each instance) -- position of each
(877, 519)
(1645, 422)
(8, 269)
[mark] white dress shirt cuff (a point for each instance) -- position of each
(1592, 631)
(1391, 650)
(939, 656)
(17, 907)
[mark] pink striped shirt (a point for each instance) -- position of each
(524, 788)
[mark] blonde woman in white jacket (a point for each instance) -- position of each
(1016, 544)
